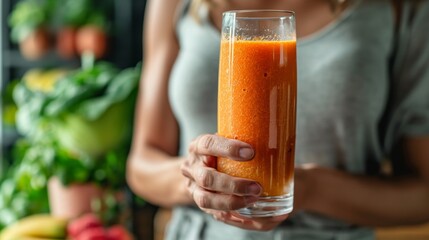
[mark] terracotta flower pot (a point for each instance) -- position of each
(71, 201)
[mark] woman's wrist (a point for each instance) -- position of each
(307, 187)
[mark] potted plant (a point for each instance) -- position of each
(29, 22)
(82, 27)
(73, 26)
(80, 130)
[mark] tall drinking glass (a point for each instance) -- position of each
(257, 102)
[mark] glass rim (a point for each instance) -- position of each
(287, 14)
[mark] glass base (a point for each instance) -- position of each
(269, 207)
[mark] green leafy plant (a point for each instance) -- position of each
(29, 15)
(23, 191)
(20, 197)
(76, 13)
(9, 106)
(88, 113)
(78, 132)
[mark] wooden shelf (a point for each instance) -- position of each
(13, 58)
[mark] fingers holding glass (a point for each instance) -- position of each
(213, 145)
(255, 224)
(211, 189)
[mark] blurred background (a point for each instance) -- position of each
(69, 75)
(62, 153)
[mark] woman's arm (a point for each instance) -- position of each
(153, 171)
(370, 201)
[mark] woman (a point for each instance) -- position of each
(362, 97)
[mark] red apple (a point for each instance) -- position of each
(118, 232)
(94, 234)
(82, 224)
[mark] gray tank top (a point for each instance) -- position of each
(352, 107)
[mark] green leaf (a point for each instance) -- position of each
(19, 33)
(121, 87)
(78, 87)
(74, 12)
(7, 217)
(97, 18)
(30, 107)
(7, 188)
(27, 16)
(17, 199)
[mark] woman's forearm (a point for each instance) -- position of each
(368, 201)
(158, 179)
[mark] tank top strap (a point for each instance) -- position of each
(203, 11)
(184, 8)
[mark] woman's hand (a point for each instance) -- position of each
(258, 224)
(217, 193)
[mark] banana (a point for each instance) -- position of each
(34, 238)
(36, 226)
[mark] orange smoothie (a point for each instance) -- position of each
(257, 105)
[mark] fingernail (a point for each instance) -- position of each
(250, 200)
(254, 189)
(246, 153)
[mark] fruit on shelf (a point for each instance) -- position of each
(91, 38)
(66, 42)
(40, 226)
(35, 45)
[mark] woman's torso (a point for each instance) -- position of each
(342, 85)
(342, 92)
